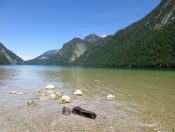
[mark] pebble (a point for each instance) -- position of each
(50, 87)
(17, 93)
(65, 99)
(110, 97)
(20, 93)
(13, 92)
(78, 92)
(31, 103)
(58, 94)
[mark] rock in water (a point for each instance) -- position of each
(20, 93)
(78, 92)
(31, 103)
(65, 99)
(58, 94)
(17, 93)
(13, 92)
(50, 87)
(66, 111)
(83, 112)
(110, 97)
(53, 97)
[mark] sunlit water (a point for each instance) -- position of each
(145, 99)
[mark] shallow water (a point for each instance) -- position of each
(145, 99)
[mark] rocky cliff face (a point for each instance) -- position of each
(8, 57)
(72, 50)
(75, 48)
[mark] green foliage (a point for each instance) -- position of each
(146, 43)
(3, 60)
(149, 42)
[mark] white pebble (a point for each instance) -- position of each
(50, 86)
(13, 92)
(58, 94)
(78, 92)
(65, 99)
(110, 97)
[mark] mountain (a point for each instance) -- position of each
(8, 57)
(150, 42)
(42, 59)
(73, 49)
(70, 51)
(92, 39)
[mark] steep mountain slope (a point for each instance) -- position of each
(8, 57)
(42, 59)
(72, 50)
(149, 42)
(69, 52)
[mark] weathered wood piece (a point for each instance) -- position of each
(82, 112)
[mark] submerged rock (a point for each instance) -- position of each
(54, 96)
(58, 94)
(20, 93)
(44, 92)
(110, 97)
(50, 87)
(150, 127)
(31, 103)
(17, 93)
(65, 99)
(78, 92)
(13, 92)
(66, 111)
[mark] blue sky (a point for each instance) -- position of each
(31, 27)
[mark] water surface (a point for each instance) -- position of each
(144, 99)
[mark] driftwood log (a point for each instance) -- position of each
(83, 112)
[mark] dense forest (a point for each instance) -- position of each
(149, 42)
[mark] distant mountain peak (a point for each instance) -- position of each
(92, 35)
(76, 39)
(92, 38)
(42, 58)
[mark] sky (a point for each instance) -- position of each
(31, 27)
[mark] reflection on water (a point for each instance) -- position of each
(142, 97)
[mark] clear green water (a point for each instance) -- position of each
(148, 96)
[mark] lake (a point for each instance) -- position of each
(145, 99)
